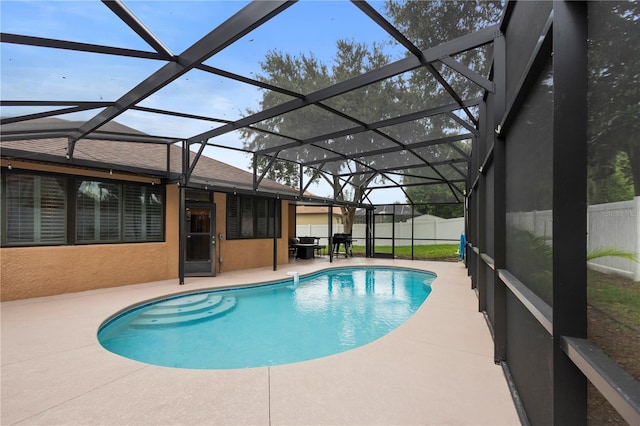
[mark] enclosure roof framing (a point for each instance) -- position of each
(395, 146)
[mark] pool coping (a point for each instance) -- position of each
(54, 371)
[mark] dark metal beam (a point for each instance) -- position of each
(387, 150)
(250, 17)
(357, 82)
(130, 137)
(499, 202)
(615, 384)
(447, 87)
(242, 79)
(179, 114)
(460, 172)
(388, 27)
(266, 169)
(80, 47)
(89, 164)
(25, 103)
(468, 73)
(375, 126)
(414, 166)
(317, 171)
(130, 19)
(21, 134)
(452, 47)
(53, 113)
(381, 21)
(535, 67)
(193, 164)
(407, 185)
(463, 123)
(537, 307)
(464, 43)
(459, 150)
(569, 215)
(45, 134)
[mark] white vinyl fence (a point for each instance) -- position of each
(427, 230)
(609, 226)
(612, 225)
(615, 225)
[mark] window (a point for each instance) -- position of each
(142, 213)
(36, 207)
(251, 217)
(98, 211)
(38, 210)
(113, 212)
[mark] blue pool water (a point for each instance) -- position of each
(325, 313)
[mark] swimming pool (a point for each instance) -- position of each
(325, 313)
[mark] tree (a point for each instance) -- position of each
(427, 24)
(436, 199)
(305, 74)
(611, 181)
(614, 97)
(298, 74)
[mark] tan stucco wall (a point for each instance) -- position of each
(43, 271)
(292, 220)
(244, 254)
(27, 272)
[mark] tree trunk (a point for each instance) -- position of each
(633, 151)
(348, 213)
(348, 216)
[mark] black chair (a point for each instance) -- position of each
(293, 246)
(320, 248)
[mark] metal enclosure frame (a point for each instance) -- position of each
(574, 359)
(505, 300)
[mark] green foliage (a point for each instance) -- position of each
(433, 199)
(614, 98)
(446, 252)
(618, 297)
(612, 252)
(610, 181)
(534, 262)
(428, 24)
(305, 74)
(531, 261)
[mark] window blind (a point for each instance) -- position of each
(36, 209)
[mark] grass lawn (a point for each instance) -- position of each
(444, 252)
(613, 315)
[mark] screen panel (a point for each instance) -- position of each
(529, 239)
(613, 313)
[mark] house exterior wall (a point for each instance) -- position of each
(250, 253)
(37, 271)
(292, 221)
(47, 270)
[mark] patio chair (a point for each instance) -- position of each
(293, 246)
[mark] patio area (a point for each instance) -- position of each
(437, 368)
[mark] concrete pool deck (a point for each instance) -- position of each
(437, 368)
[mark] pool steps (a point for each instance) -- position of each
(185, 310)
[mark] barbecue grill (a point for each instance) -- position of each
(346, 241)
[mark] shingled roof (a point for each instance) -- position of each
(143, 158)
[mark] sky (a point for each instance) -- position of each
(34, 73)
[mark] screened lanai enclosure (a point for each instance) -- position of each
(525, 113)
